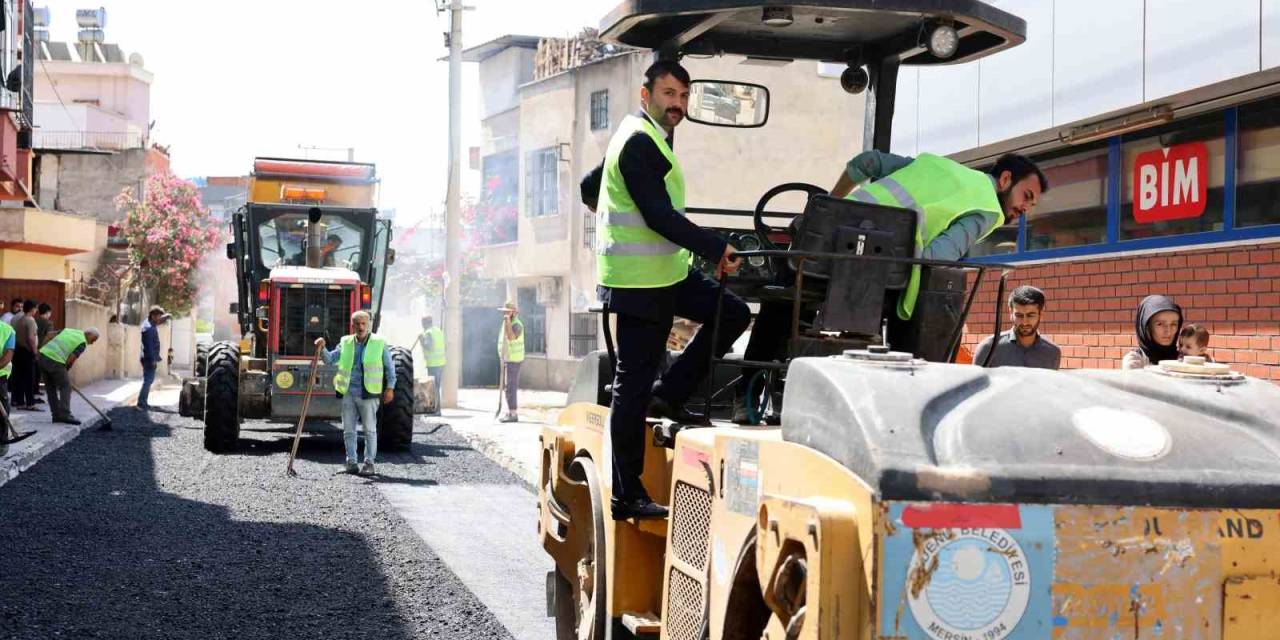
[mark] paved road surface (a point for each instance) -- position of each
(140, 533)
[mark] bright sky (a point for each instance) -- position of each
(236, 79)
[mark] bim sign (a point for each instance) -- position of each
(1171, 183)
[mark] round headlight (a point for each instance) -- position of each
(944, 41)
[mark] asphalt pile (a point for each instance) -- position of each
(140, 533)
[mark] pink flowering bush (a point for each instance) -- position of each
(169, 232)
(427, 276)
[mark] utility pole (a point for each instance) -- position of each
(453, 214)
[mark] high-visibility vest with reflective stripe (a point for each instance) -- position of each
(63, 345)
(5, 332)
(939, 191)
(515, 348)
(435, 355)
(371, 361)
(630, 255)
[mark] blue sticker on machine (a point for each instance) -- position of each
(967, 572)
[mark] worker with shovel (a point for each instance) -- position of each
(55, 360)
(365, 375)
(511, 355)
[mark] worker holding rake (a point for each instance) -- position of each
(365, 376)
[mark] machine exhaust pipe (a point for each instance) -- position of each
(315, 238)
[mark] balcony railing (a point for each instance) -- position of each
(96, 140)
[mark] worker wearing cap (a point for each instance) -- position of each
(150, 356)
(56, 359)
(644, 276)
(365, 375)
(511, 354)
(432, 340)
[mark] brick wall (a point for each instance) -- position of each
(1233, 291)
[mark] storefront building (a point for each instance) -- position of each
(1159, 131)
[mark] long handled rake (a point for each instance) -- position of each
(302, 418)
(106, 422)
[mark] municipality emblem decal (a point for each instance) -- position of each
(968, 584)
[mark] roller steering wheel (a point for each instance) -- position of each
(766, 232)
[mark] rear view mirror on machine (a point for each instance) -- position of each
(728, 104)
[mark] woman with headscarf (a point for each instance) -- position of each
(1157, 325)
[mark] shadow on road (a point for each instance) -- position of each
(94, 546)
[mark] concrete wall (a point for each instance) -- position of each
(87, 183)
(99, 360)
(500, 78)
(544, 240)
(29, 265)
(118, 88)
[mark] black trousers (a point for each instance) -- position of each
(23, 377)
(642, 345)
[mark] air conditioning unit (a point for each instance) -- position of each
(549, 292)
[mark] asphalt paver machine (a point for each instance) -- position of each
(902, 497)
(309, 250)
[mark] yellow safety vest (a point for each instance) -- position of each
(371, 361)
(63, 345)
(5, 332)
(939, 190)
(436, 355)
(515, 348)
(629, 254)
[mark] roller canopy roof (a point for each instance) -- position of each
(828, 30)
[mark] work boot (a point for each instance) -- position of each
(659, 408)
(367, 469)
(67, 420)
(638, 509)
(350, 468)
(510, 417)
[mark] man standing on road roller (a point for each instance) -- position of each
(644, 276)
(365, 375)
(55, 360)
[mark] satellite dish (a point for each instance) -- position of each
(135, 59)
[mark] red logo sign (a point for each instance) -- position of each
(1170, 183)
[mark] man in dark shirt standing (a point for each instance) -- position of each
(44, 323)
(642, 268)
(23, 382)
(150, 353)
(1022, 345)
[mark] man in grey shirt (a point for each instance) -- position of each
(1022, 345)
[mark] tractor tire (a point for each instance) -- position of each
(202, 360)
(222, 395)
(395, 420)
(184, 402)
